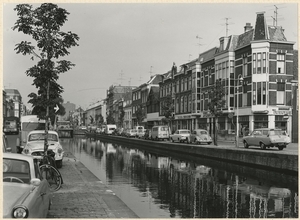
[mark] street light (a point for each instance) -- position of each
(240, 80)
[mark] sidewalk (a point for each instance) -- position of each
(83, 195)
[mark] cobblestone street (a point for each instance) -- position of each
(83, 195)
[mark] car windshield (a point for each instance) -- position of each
(133, 130)
(16, 171)
(276, 132)
(202, 132)
(164, 128)
(184, 132)
(40, 136)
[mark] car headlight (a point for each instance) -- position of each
(26, 151)
(20, 212)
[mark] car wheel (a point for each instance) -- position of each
(58, 163)
(262, 146)
(208, 143)
(280, 147)
(246, 145)
(172, 140)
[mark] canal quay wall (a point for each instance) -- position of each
(273, 160)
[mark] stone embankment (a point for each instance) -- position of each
(267, 159)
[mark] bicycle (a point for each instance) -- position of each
(50, 172)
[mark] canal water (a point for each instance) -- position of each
(168, 185)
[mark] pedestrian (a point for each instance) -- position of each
(244, 131)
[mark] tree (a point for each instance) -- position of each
(121, 117)
(110, 119)
(44, 24)
(216, 96)
(167, 106)
(140, 115)
(99, 119)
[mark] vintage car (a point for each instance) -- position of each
(200, 136)
(180, 135)
(35, 145)
(131, 133)
(25, 193)
(266, 138)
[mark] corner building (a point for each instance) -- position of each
(264, 59)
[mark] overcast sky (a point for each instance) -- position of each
(126, 43)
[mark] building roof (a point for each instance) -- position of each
(12, 91)
(262, 31)
(207, 55)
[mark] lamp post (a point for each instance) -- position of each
(240, 79)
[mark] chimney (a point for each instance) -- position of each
(248, 27)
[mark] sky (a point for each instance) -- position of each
(126, 43)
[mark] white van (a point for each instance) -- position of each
(109, 129)
(140, 131)
(161, 132)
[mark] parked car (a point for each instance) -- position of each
(180, 135)
(160, 132)
(5, 147)
(200, 136)
(131, 133)
(25, 193)
(124, 132)
(98, 130)
(266, 138)
(35, 145)
(140, 133)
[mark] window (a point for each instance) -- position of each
(280, 63)
(258, 93)
(245, 67)
(177, 105)
(181, 104)
(264, 63)
(190, 103)
(254, 63)
(185, 104)
(254, 93)
(280, 93)
(258, 63)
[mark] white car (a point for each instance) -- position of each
(180, 135)
(35, 145)
(26, 193)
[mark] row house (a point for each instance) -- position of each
(139, 100)
(255, 68)
(92, 113)
(264, 60)
(113, 96)
(127, 108)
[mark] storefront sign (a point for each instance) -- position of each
(282, 112)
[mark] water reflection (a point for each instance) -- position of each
(154, 185)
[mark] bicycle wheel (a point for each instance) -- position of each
(52, 176)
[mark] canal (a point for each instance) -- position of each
(158, 184)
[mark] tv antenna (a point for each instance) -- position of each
(121, 78)
(151, 71)
(199, 42)
(227, 24)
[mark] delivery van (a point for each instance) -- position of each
(161, 132)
